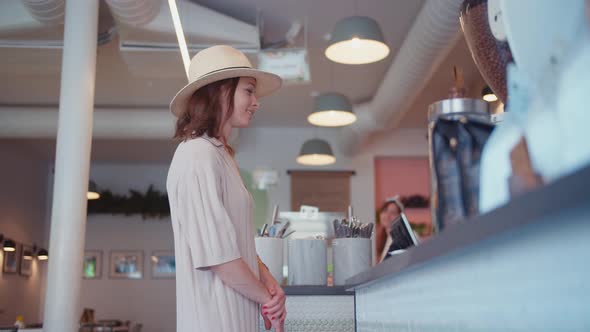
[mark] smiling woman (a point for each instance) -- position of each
(222, 94)
(211, 209)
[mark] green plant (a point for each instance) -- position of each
(151, 204)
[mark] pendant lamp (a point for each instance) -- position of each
(488, 95)
(42, 255)
(332, 110)
(92, 191)
(357, 40)
(316, 152)
(9, 245)
(27, 255)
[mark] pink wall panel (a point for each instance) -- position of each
(403, 176)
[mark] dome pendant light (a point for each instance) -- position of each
(42, 255)
(9, 245)
(316, 152)
(92, 191)
(488, 95)
(357, 40)
(27, 255)
(332, 110)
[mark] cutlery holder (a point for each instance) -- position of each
(270, 251)
(351, 256)
(308, 262)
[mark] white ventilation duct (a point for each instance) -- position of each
(108, 123)
(143, 25)
(50, 12)
(147, 25)
(40, 20)
(134, 12)
(38, 24)
(41, 122)
(15, 16)
(145, 33)
(433, 35)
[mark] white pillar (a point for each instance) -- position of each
(68, 218)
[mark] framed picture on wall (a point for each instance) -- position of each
(126, 265)
(163, 264)
(10, 264)
(92, 266)
(26, 260)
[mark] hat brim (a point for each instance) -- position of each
(266, 83)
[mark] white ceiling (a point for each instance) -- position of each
(31, 76)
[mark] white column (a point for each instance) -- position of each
(68, 219)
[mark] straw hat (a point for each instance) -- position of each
(217, 63)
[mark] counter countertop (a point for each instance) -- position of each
(316, 290)
(568, 192)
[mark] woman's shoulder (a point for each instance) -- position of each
(199, 153)
(195, 157)
(197, 142)
(199, 146)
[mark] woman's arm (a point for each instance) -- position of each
(263, 271)
(275, 310)
(237, 275)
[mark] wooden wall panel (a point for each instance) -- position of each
(328, 190)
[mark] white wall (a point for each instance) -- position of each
(278, 148)
(23, 211)
(148, 301)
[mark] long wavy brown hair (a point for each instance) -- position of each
(204, 111)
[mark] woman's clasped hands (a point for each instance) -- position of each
(274, 312)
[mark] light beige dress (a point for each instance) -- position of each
(212, 214)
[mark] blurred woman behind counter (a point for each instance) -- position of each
(389, 211)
